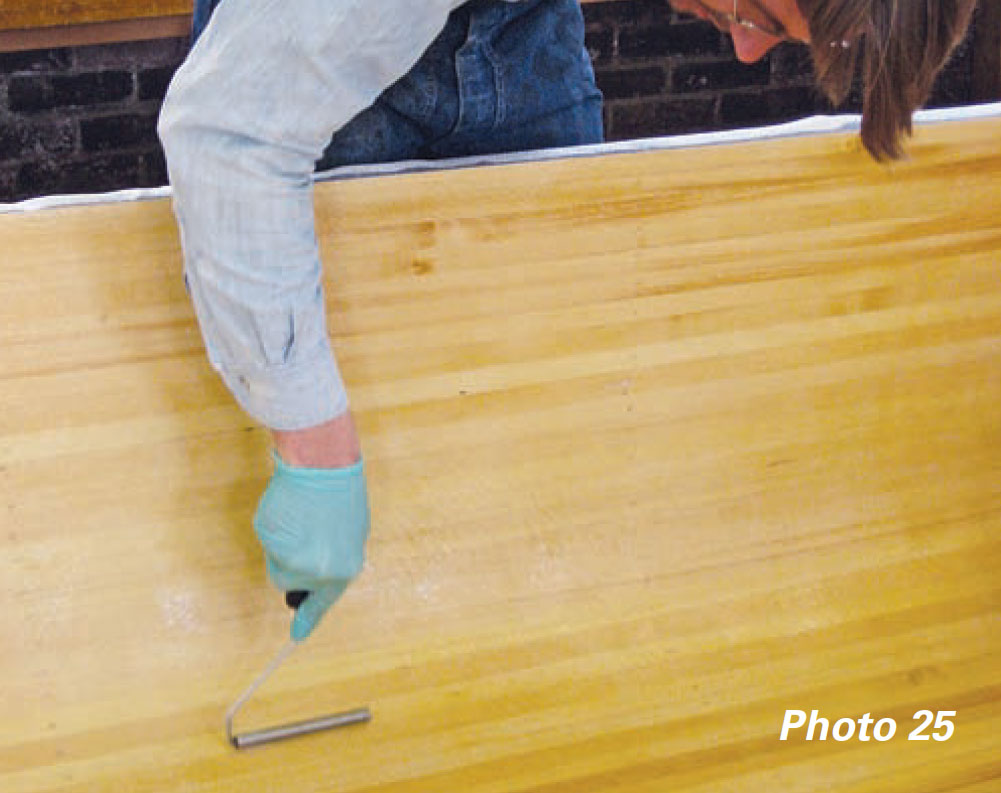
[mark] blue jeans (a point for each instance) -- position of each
(500, 77)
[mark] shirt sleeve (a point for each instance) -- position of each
(244, 121)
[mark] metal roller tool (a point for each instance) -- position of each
(295, 729)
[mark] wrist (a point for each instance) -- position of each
(333, 444)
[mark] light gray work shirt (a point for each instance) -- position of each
(245, 120)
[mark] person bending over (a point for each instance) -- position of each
(275, 89)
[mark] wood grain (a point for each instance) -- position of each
(15, 14)
(34, 14)
(660, 445)
(144, 29)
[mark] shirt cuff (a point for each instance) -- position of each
(291, 396)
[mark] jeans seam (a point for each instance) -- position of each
(500, 105)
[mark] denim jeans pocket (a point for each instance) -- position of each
(541, 64)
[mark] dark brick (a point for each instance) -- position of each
(8, 185)
(791, 63)
(634, 12)
(131, 55)
(600, 44)
(717, 75)
(606, 119)
(155, 167)
(151, 84)
(34, 61)
(30, 93)
(769, 106)
(23, 139)
(666, 117)
(627, 83)
(87, 176)
(13, 139)
(46, 92)
(110, 133)
(663, 41)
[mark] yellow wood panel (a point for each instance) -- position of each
(660, 445)
(35, 14)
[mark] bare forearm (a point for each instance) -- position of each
(333, 444)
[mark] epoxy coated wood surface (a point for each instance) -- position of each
(44, 13)
(660, 446)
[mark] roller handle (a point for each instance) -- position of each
(294, 598)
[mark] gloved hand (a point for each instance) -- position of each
(313, 524)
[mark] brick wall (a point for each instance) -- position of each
(82, 119)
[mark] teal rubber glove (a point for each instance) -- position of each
(313, 524)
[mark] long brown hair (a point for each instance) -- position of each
(902, 45)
